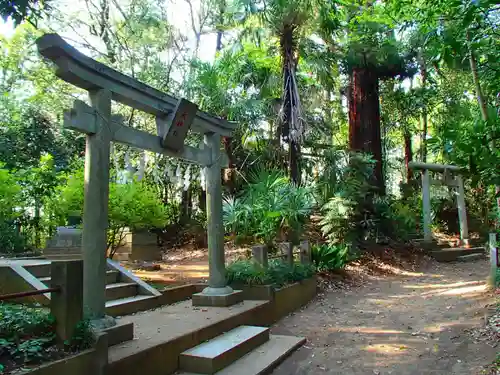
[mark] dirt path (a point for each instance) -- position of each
(410, 324)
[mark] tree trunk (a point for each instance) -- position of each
(483, 107)
(186, 205)
(294, 156)
(364, 119)
(423, 73)
(290, 103)
(408, 156)
(475, 77)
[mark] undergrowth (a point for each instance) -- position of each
(27, 336)
(278, 273)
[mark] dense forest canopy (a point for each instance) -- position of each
(332, 99)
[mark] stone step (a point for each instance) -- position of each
(111, 278)
(120, 290)
(215, 354)
(451, 254)
(129, 305)
(471, 257)
(38, 269)
(263, 359)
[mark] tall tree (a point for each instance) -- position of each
(372, 54)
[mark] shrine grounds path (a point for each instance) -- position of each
(414, 323)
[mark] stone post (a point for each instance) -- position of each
(426, 205)
(66, 305)
(305, 252)
(218, 293)
(493, 260)
(259, 254)
(95, 209)
(286, 248)
(215, 229)
(462, 213)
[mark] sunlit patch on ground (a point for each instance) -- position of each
(366, 330)
(387, 349)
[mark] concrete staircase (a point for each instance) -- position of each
(125, 293)
(245, 350)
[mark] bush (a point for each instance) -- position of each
(27, 335)
(270, 205)
(10, 209)
(347, 216)
(330, 257)
(357, 214)
(278, 273)
(134, 205)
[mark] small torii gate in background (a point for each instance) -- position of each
(174, 118)
(450, 176)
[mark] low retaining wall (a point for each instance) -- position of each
(92, 361)
(283, 300)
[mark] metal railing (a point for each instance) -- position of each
(11, 296)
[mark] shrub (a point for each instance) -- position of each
(269, 205)
(278, 273)
(27, 335)
(357, 214)
(10, 204)
(347, 215)
(327, 257)
(134, 205)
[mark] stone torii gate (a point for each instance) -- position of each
(173, 119)
(450, 177)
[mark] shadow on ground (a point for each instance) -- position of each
(414, 323)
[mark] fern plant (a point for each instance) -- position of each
(270, 204)
(330, 257)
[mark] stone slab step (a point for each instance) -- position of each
(120, 290)
(471, 257)
(263, 359)
(130, 305)
(451, 254)
(38, 269)
(111, 278)
(215, 354)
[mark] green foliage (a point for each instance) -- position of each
(327, 257)
(83, 337)
(21, 10)
(270, 205)
(357, 214)
(27, 334)
(346, 216)
(134, 205)
(10, 206)
(278, 273)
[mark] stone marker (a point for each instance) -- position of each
(286, 248)
(260, 255)
(305, 252)
(493, 260)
